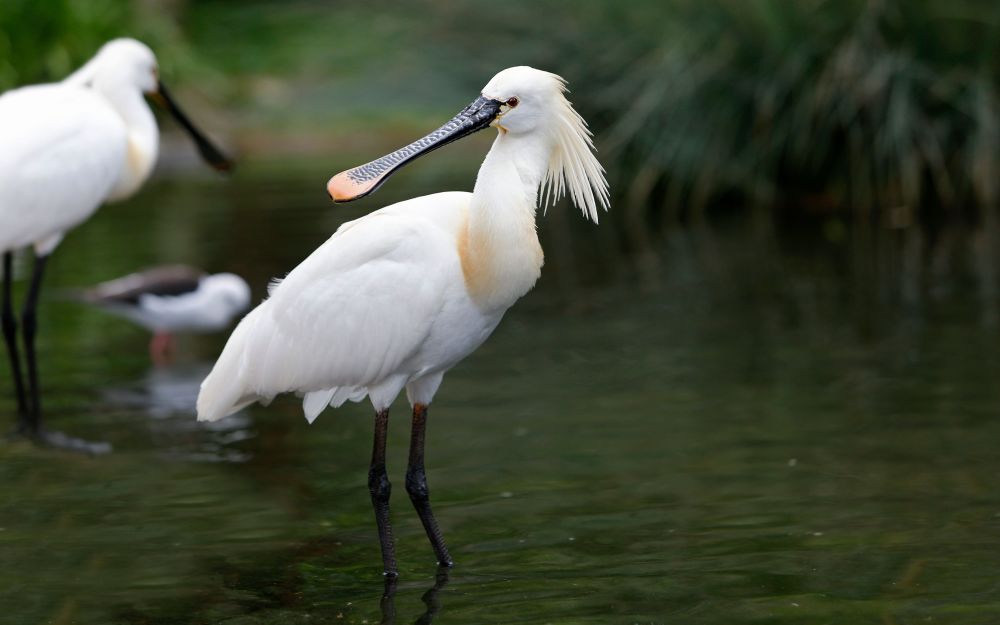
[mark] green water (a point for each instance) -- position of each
(748, 425)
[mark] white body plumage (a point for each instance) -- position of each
(65, 148)
(396, 298)
(381, 305)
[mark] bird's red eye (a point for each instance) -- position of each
(512, 102)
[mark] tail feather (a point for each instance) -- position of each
(314, 403)
(225, 390)
(255, 366)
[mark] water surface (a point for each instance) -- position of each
(744, 424)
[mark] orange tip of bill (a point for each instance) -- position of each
(344, 188)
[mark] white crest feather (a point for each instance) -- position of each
(573, 166)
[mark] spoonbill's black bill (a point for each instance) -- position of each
(360, 181)
(212, 155)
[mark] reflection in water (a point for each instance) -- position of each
(167, 395)
(430, 598)
(162, 393)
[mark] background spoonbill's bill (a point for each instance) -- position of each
(394, 299)
(172, 298)
(65, 148)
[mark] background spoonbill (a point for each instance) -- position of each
(395, 299)
(65, 148)
(172, 298)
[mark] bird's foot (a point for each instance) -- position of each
(161, 349)
(58, 440)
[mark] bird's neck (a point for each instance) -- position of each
(501, 255)
(143, 139)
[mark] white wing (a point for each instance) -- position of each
(62, 148)
(347, 318)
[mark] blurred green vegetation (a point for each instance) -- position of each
(45, 41)
(831, 107)
(827, 105)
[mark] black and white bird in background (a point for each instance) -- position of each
(170, 299)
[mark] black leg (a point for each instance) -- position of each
(29, 320)
(416, 486)
(29, 328)
(8, 322)
(380, 489)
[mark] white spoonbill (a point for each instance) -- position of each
(65, 148)
(172, 298)
(394, 299)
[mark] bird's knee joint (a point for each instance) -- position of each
(416, 486)
(379, 485)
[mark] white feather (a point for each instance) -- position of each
(66, 148)
(314, 403)
(61, 152)
(573, 164)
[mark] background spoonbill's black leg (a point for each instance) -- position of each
(416, 486)
(8, 322)
(380, 489)
(29, 321)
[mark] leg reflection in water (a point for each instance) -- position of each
(430, 599)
